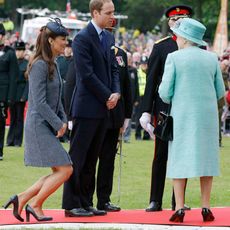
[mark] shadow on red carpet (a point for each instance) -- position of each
(192, 218)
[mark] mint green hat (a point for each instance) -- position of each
(191, 30)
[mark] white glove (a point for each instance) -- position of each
(125, 125)
(150, 130)
(70, 125)
(144, 120)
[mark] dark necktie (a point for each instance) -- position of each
(103, 40)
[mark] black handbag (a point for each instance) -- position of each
(164, 127)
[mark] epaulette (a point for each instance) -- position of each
(162, 39)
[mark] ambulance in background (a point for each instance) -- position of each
(31, 27)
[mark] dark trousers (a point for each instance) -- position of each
(159, 170)
(106, 166)
(3, 116)
(15, 134)
(85, 144)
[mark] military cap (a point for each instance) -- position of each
(56, 27)
(2, 29)
(20, 45)
(178, 11)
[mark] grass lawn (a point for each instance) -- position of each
(135, 178)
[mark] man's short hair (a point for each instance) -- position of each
(97, 5)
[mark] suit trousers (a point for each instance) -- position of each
(85, 144)
(15, 134)
(159, 170)
(106, 166)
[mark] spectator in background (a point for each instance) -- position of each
(222, 107)
(136, 59)
(141, 73)
(134, 93)
(15, 134)
(194, 151)
(9, 72)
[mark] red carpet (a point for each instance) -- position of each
(192, 218)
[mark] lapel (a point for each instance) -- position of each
(96, 40)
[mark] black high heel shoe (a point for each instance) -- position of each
(207, 215)
(14, 201)
(178, 216)
(29, 211)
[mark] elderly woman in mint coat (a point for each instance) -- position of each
(192, 83)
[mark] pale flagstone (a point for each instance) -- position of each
(109, 226)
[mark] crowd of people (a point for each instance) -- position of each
(105, 89)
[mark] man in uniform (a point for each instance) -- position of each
(8, 76)
(153, 103)
(15, 134)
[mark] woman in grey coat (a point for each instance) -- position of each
(45, 123)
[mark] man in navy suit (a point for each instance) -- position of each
(97, 91)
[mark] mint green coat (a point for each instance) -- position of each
(193, 82)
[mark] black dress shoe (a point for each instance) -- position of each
(154, 206)
(207, 215)
(95, 211)
(186, 208)
(109, 207)
(78, 212)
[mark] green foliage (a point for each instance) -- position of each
(135, 178)
(143, 14)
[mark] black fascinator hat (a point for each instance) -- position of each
(56, 27)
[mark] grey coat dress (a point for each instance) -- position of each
(45, 116)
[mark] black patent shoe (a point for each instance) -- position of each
(178, 216)
(109, 207)
(78, 212)
(29, 211)
(95, 211)
(207, 215)
(154, 206)
(14, 201)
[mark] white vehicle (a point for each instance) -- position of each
(31, 27)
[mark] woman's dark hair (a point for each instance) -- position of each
(43, 51)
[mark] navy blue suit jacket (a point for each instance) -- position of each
(97, 74)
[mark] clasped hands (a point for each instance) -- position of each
(112, 101)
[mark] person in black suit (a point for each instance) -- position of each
(135, 95)
(97, 92)
(15, 134)
(153, 103)
(8, 76)
(118, 122)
